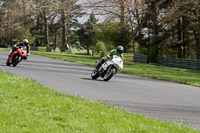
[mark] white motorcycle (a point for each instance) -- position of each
(108, 69)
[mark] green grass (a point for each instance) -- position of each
(5, 49)
(184, 76)
(82, 59)
(26, 106)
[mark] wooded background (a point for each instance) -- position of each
(152, 27)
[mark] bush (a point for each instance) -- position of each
(100, 46)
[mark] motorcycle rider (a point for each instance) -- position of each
(119, 51)
(20, 44)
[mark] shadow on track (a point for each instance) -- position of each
(3, 65)
(93, 79)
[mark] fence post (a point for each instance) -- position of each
(34, 48)
(48, 49)
(138, 58)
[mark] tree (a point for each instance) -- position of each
(9, 21)
(46, 10)
(115, 11)
(100, 46)
(184, 17)
(104, 32)
(192, 19)
(54, 29)
(154, 28)
(66, 9)
(86, 33)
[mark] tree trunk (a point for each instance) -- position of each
(184, 36)
(179, 38)
(198, 47)
(198, 41)
(46, 39)
(197, 38)
(64, 47)
(122, 10)
(88, 51)
(55, 41)
(38, 23)
(24, 12)
(1, 33)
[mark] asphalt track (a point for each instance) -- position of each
(158, 99)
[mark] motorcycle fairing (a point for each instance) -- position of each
(11, 57)
(19, 51)
(116, 60)
(106, 64)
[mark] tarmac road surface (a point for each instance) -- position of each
(158, 99)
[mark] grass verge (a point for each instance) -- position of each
(184, 76)
(26, 106)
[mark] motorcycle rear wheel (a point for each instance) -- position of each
(7, 62)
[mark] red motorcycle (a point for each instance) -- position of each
(17, 56)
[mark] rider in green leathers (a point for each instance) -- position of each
(119, 51)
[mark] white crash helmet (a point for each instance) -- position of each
(25, 41)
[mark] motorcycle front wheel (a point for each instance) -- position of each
(16, 60)
(109, 74)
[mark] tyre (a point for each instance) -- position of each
(7, 62)
(109, 74)
(16, 60)
(95, 74)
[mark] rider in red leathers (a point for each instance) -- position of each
(24, 43)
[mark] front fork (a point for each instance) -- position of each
(116, 69)
(9, 53)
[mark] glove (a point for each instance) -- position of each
(108, 57)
